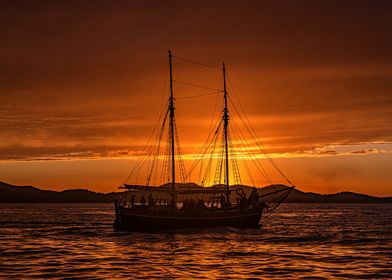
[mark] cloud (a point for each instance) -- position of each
(83, 81)
(352, 149)
(370, 151)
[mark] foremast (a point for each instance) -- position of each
(225, 131)
(172, 135)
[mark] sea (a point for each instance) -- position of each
(297, 241)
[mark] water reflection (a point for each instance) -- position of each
(300, 240)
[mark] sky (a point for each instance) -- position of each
(82, 84)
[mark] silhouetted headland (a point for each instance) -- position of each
(28, 194)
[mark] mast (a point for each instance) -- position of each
(226, 123)
(171, 108)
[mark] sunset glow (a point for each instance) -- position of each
(82, 85)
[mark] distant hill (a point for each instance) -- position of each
(297, 196)
(28, 194)
(10, 193)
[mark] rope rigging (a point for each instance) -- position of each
(194, 85)
(179, 153)
(219, 164)
(236, 171)
(196, 63)
(198, 95)
(253, 133)
(157, 152)
(212, 154)
(165, 177)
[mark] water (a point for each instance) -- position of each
(299, 241)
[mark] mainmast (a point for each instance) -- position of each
(171, 108)
(226, 123)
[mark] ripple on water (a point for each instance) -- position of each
(300, 241)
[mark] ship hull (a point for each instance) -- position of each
(131, 220)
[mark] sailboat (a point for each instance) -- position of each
(177, 205)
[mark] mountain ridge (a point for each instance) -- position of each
(28, 194)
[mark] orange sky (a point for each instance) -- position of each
(81, 85)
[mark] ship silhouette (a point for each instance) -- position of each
(175, 205)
